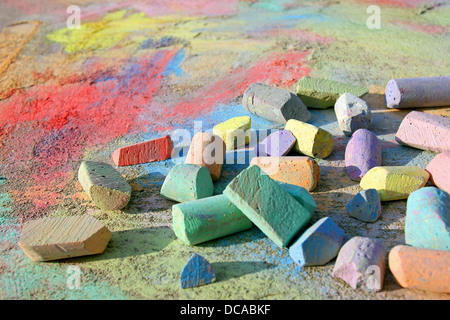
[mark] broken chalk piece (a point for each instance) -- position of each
(424, 131)
(395, 182)
(361, 263)
(311, 140)
(144, 152)
(274, 104)
(207, 150)
(63, 237)
(277, 214)
(207, 219)
(365, 206)
(301, 195)
(279, 143)
(427, 222)
(104, 185)
(419, 268)
(187, 182)
(352, 113)
(197, 272)
(322, 93)
(418, 92)
(438, 170)
(235, 132)
(362, 153)
(318, 244)
(300, 171)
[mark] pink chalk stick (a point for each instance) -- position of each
(438, 168)
(425, 131)
(149, 151)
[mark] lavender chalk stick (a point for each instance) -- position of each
(361, 263)
(418, 92)
(363, 152)
(279, 143)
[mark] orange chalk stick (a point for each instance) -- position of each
(418, 268)
(149, 151)
(300, 171)
(201, 151)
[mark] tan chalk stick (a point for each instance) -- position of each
(63, 237)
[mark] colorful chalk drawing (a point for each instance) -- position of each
(137, 70)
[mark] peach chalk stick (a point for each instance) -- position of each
(425, 131)
(144, 152)
(438, 168)
(300, 171)
(201, 151)
(423, 269)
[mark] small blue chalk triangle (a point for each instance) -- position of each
(197, 272)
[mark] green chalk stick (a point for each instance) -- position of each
(187, 182)
(207, 219)
(104, 185)
(267, 205)
(323, 93)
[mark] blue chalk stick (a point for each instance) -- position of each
(428, 219)
(197, 272)
(365, 206)
(318, 244)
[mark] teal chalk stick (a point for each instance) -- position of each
(427, 222)
(267, 205)
(301, 195)
(187, 182)
(207, 219)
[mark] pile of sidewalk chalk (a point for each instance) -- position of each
(273, 192)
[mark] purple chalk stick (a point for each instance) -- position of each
(418, 92)
(279, 143)
(363, 152)
(361, 263)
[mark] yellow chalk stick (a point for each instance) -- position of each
(395, 182)
(235, 132)
(311, 140)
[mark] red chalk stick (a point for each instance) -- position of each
(418, 92)
(149, 151)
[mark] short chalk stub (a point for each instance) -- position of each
(104, 185)
(323, 93)
(365, 206)
(207, 219)
(394, 182)
(50, 239)
(197, 272)
(352, 113)
(301, 171)
(274, 104)
(424, 131)
(310, 140)
(362, 153)
(427, 222)
(274, 211)
(187, 182)
(438, 168)
(149, 151)
(361, 263)
(318, 244)
(419, 268)
(235, 132)
(279, 143)
(207, 150)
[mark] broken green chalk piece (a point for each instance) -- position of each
(323, 93)
(104, 185)
(274, 211)
(187, 182)
(207, 219)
